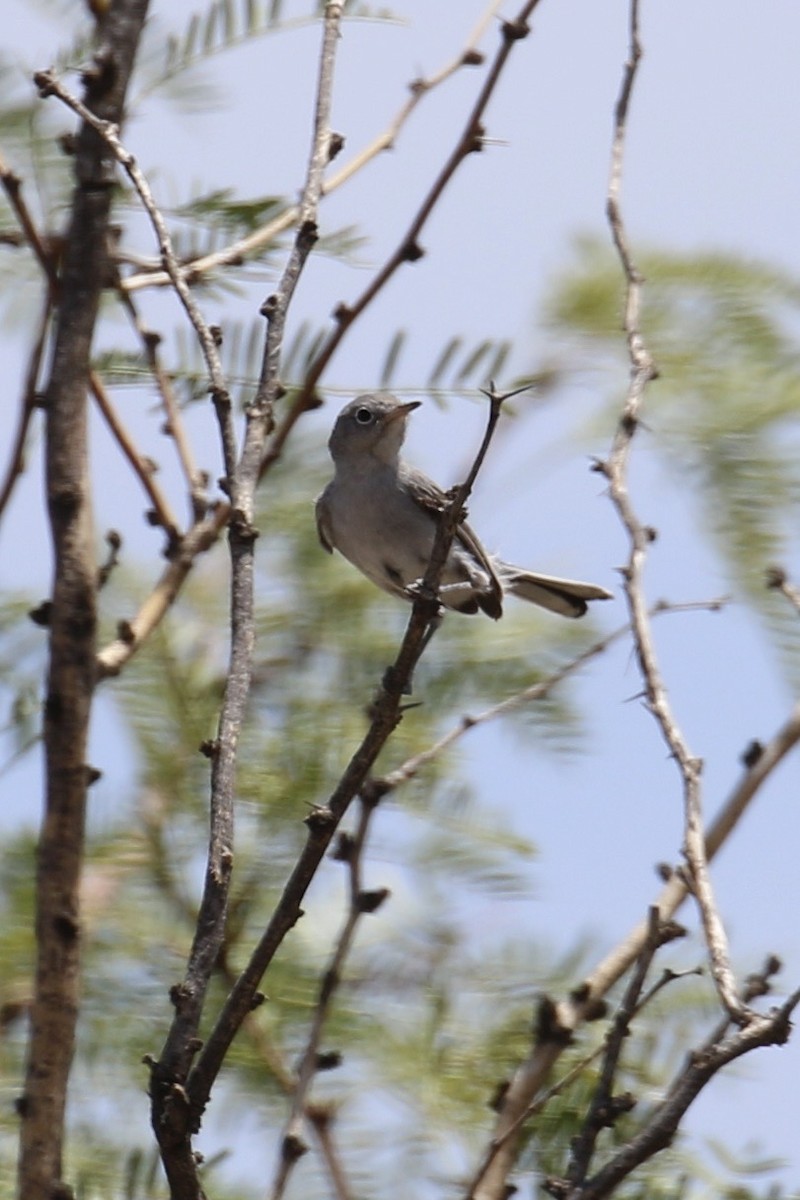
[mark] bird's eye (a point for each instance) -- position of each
(364, 416)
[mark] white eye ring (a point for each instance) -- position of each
(364, 416)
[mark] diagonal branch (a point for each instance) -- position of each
(49, 85)
(601, 1111)
(386, 713)
(771, 1029)
(537, 691)
(470, 141)
(530, 1077)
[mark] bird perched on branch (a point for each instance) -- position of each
(382, 515)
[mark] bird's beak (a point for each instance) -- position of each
(403, 410)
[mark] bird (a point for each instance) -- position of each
(381, 514)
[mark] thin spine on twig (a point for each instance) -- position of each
(777, 580)
(243, 248)
(642, 371)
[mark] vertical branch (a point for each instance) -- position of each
(642, 371)
(71, 669)
(173, 1121)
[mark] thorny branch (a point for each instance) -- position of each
(386, 713)
(642, 371)
(161, 513)
(772, 1029)
(529, 1079)
(174, 426)
(174, 1122)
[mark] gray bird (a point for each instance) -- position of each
(381, 514)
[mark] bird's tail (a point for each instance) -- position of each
(567, 597)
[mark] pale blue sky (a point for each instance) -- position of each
(712, 162)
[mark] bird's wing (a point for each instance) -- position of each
(324, 526)
(430, 497)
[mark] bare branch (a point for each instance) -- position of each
(642, 371)
(144, 471)
(30, 399)
(322, 823)
(196, 480)
(602, 1110)
(175, 1123)
(769, 1030)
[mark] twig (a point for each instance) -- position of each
(196, 480)
(642, 371)
(49, 84)
(16, 462)
(176, 1123)
(408, 249)
(530, 1077)
(350, 850)
(161, 512)
(667, 976)
(134, 632)
(602, 1111)
(537, 691)
(234, 253)
(12, 186)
